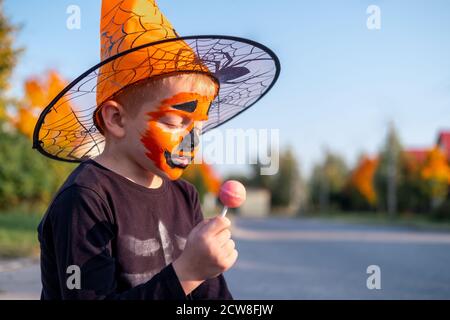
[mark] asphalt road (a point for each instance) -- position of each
(313, 259)
(310, 259)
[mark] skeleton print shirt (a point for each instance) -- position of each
(119, 237)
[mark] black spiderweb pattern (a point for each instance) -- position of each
(120, 16)
(73, 136)
(244, 69)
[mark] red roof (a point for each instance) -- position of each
(444, 142)
(420, 155)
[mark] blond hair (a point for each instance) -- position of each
(152, 89)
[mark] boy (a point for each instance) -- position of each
(123, 225)
(121, 221)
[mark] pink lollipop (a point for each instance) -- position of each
(232, 195)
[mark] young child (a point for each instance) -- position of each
(123, 222)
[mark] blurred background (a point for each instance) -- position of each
(362, 107)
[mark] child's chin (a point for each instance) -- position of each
(169, 173)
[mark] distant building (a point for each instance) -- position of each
(443, 142)
(419, 155)
(257, 203)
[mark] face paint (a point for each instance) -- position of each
(172, 135)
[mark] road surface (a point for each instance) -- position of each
(310, 259)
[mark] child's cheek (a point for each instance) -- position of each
(168, 138)
(157, 140)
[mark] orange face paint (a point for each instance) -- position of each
(172, 145)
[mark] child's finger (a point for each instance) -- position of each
(228, 247)
(231, 258)
(223, 236)
(216, 225)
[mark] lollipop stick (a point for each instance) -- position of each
(224, 211)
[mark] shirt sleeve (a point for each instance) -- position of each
(82, 231)
(215, 288)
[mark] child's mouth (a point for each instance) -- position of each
(180, 161)
(177, 161)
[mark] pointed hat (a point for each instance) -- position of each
(138, 43)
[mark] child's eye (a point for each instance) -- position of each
(172, 125)
(172, 121)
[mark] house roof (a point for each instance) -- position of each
(418, 154)
(444, 142)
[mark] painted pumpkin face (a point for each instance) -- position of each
(172, 133)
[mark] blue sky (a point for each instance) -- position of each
(341, 83)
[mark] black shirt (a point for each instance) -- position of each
(122, 236)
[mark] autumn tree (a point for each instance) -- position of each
(362, 181)
(27, 179)
(436, 173)
(204, 178)
(39, 91)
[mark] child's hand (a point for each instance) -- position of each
(209, 251)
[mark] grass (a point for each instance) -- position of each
(18, 234)
(403, 220)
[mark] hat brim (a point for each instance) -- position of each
(246, 71)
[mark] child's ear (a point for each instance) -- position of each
(113, 116)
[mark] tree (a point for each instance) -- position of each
(388, 175)
(38, 93)
(204, 178)
(328, 181)
(285, 183)
(362, 179)
(436, 173)
(28, 178)
(258, 180)
(8, 59)
(285, 186)
(414, 195)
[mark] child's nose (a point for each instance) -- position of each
(190, 141)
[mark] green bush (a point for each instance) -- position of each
(442, 212)
(27, 179)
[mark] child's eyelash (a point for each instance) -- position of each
(173, 125)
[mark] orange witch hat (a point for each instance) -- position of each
(129, 24)
(137, 43)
